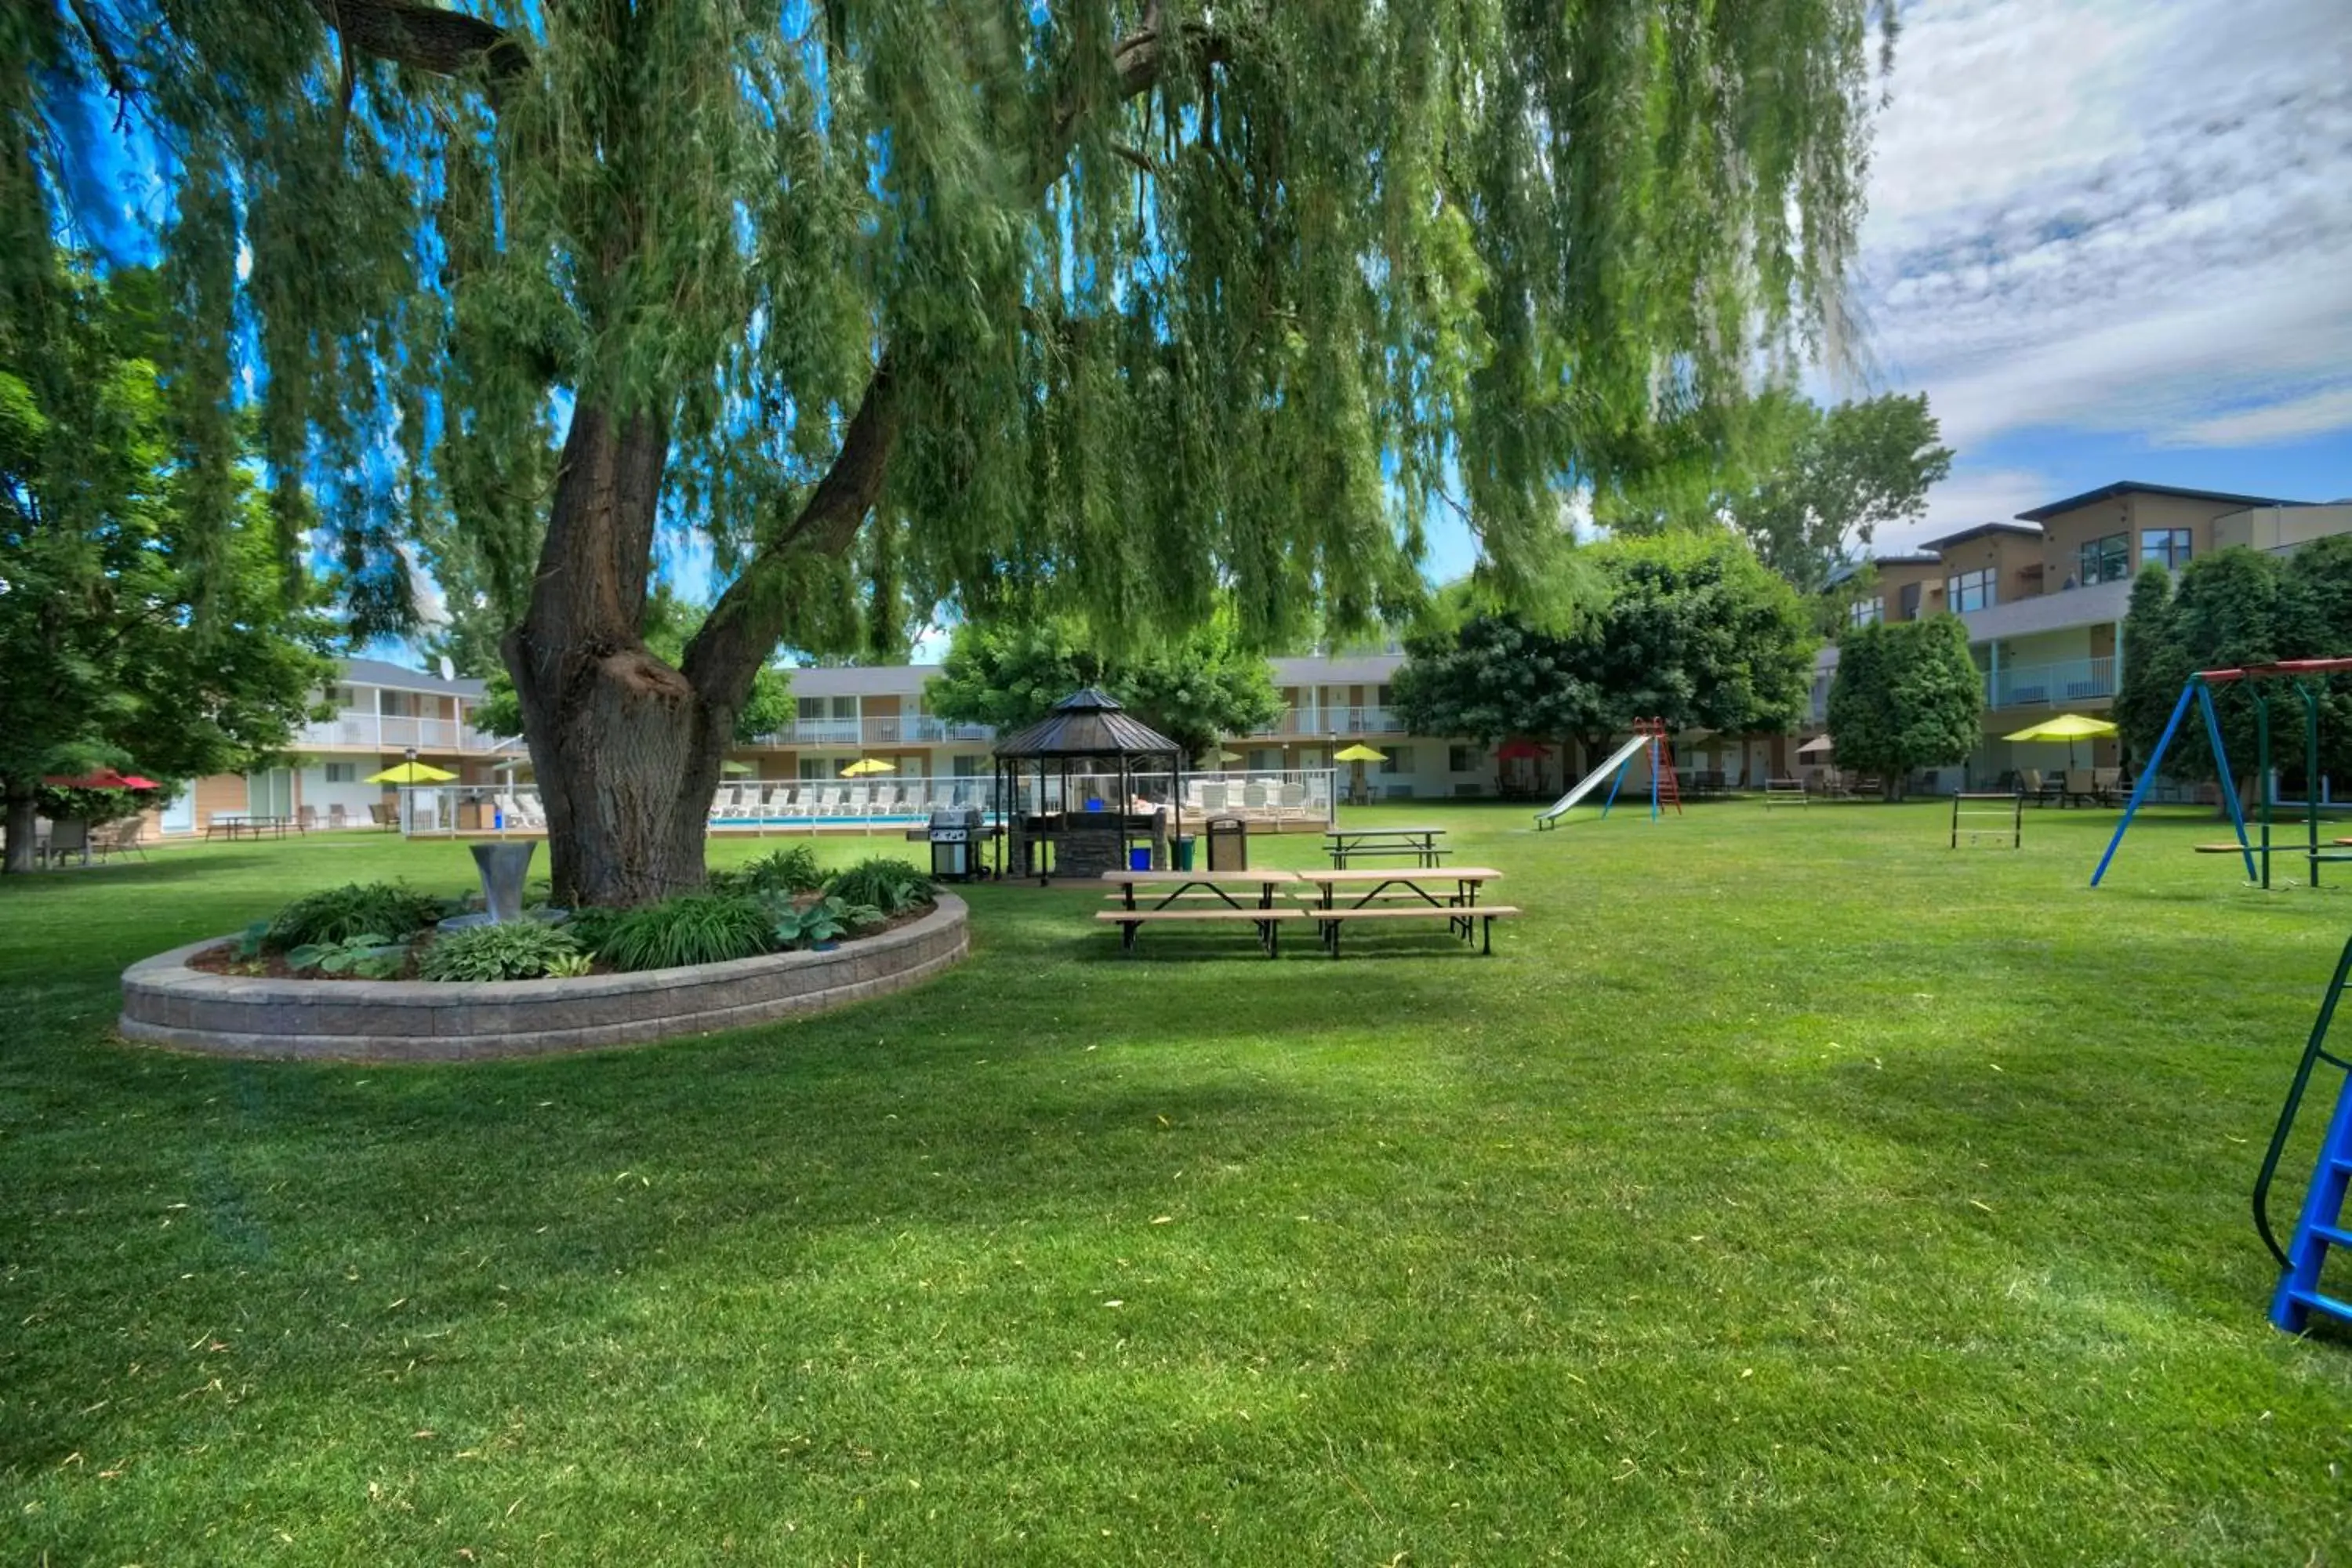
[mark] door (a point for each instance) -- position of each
(179, 811)
(269, 792)
(1759, 763)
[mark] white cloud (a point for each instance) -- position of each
(2319, 413)
(2108, 213)
(1968, 499)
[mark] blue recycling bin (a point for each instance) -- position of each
(1138, 857)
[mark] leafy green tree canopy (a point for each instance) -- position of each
(131, 634)
(1120, 304)
(1692, 630)
(2231, 608)
(1907, 696)
(1807, 485)
(1195, 691)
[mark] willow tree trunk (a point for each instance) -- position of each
(24, 814)
(626, 750)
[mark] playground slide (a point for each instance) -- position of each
(1586, 785)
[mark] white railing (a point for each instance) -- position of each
(1336, 719)
(909, 729)
(357, 728)
(2050, 685)
(1298, 795)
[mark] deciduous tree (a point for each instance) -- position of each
(1141, 301)
(132, 633)
(1692, 630)
(1196, 690)
(1906, 696)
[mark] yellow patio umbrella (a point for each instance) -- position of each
(1358, 755)
(866, 766)
(2066, 727)
(732, 766)
(412, 774)
(1218, 756)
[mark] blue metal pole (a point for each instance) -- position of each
(2229, 784)
(1657, 749)
(2146, 779)
(1614, 784)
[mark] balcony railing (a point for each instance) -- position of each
(1336, 719)
(899, 730)
(358, 729)
(2050, 685)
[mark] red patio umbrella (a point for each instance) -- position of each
(104, 778)
(1511, 751)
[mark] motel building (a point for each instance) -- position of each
(384, 713)
(2045, 596)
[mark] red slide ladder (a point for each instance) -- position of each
(1662, 758)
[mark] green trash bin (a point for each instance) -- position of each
(1182, 848)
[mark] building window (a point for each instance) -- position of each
(969, 767)
(342, 697)
(1969, 591)
(343, 773)
(1867, 612)
(811, 708)
(1266, 759)
(816, 770)
(2107, 560)
(1466, 759)
(1399, 760)
(1910, 600)
(2165, 547)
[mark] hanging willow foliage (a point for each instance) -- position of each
(1121, 306)
(1174, 297)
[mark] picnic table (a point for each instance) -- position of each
(1208, 897)
(1367, 843)
(1407, 895)
(235, 824)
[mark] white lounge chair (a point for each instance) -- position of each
(1293, 800)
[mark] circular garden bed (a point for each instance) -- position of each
(167, 1001)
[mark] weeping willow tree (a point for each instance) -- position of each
(1135, 306)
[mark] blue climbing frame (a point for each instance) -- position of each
(2200, 688)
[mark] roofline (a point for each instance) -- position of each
(2020, 530)
(2126, 487)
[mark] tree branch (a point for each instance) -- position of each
(110, 64)
(745, 624)
(426, 37)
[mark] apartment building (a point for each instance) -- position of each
(2045, 596)
(382, 714)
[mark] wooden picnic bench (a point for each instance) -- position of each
(1404, 895)
(1210, 893)
(1370, 843)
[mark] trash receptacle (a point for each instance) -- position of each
(1138, 857)
(1228, 844)
(1182, 848)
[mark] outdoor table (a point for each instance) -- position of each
(1364, 843)
(1214, 888)
(1179, 883)
(233, 826)
(1369, 886)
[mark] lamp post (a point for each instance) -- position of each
(408, 793)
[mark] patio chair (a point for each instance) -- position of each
(529, 808)
(385, 817)
(2080, 786)
(337, 817)
(69, 835)
(2107, 784)
(1293, 800)
(306, 817)
(1212, 797)
(1253, 795)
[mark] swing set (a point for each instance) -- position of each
(2199, 688)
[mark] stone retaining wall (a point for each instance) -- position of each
(167, 1002)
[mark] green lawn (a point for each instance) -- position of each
(1787, 1188)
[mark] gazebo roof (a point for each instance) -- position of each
(1089, 722)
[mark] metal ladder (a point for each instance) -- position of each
(2320, 1226)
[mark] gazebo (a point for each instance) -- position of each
(1067, 789)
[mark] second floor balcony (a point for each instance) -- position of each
(1337, 720)
(2051, 685)
(358, 729)
(892, 730)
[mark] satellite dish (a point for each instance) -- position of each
(448, 670)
